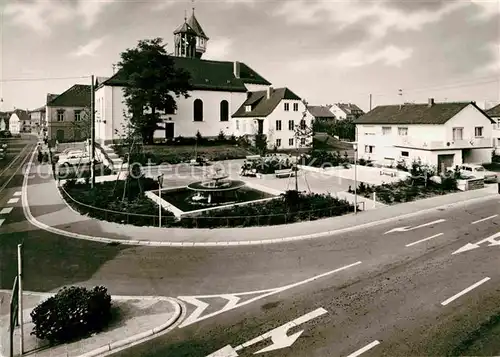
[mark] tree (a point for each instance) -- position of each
(82, 126)
(152, 81)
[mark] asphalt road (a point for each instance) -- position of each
(393, 296)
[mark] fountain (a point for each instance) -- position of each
(217, 189)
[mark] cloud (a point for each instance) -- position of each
(218, 49)
(346, 13)
(88, 49)
(162, 5)
(488, 7)
(41, 15)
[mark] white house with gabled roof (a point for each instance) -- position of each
(438, 134)
(494, 114)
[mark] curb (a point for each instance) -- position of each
(61, 232)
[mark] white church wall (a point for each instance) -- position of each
(256, 87)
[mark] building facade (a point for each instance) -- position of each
(494, 114)
(438, 134)
(346, 111)
(38, 121)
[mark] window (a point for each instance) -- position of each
(198, 110)
(248, 108)
(291, 125)
(478, 131)
(287, 107)
(302, 124)
(403, 131)
(458, 133)
(405, 153)
(290, 142)
(369, 149)
(302, 141)
(295, 107)
(237, 125)
(278, 125)
(60, 115)
(224, 111)
(278, 143)
(386, 130)
(78, 115)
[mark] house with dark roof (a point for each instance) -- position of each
(64, 111)
(439, 134)
(219, 89)
(494, 114)
(346, 110)
(275, 112)
(19, 121)
(321, 112)
(38, 120)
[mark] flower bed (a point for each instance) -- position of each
(266, 166)
(105, 202)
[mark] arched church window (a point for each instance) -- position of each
(198, 110)
(224, 110)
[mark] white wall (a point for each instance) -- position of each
(284, 134)
(468, 118)
(14, 124)
(256, 87)
(339, 113)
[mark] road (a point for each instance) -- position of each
(393, 295)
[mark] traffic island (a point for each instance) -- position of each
(134, 320)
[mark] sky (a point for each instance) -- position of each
(325, 51)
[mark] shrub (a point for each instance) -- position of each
(73, 313)
(362, 162)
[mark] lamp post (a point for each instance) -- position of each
(355, 147)
(160, 185)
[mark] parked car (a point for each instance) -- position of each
(73, 158)
(477, 171)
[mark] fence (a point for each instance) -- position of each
(169, 220)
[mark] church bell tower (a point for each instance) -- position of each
(190, 39)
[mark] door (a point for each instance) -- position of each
(445, 161)
(260, 128)
(60, 135)
(169, 130)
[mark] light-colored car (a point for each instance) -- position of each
(476, 170)
(74, 158)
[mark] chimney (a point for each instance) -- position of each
(236, 69)
(430, 102)
(269, 92)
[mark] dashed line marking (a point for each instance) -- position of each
(1, 221)
(364, 349)
(485, 219)
(18, 193)
(6, 210)
(13, 200)
(465, 291)
(425, 239)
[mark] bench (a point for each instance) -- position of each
(283, 173)
(389, 172)
(252, 157)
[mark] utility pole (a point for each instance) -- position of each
(20, 296)
(370, 101)
(92, 134)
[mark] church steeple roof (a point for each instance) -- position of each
(185, 28)
(195, 25)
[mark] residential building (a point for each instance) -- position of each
(438, 134)
(321, 112)
(4, 120)
(219, 89)
(19, 121)
(38, 121)
(277, 113)
(494, 114)
(346, 111)
(65, 110)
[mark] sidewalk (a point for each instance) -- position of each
(137, 319)
(48, 211)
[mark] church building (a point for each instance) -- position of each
(228, 97)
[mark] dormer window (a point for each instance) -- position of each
(248, 108)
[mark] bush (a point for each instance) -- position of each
(73, 313)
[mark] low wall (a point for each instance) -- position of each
(470, 184)
(166, 205)
(98, 179)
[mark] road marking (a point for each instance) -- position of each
(278, 336)
(13, 200)
(463, 292)
(408, 228)
(425, 239)
(234, 298)
(6, 210)
(470, 246)
(485, 219)
(364, 349)
(18, 193)
(1, 221)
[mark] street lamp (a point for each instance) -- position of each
(355, 147)
(160, 185)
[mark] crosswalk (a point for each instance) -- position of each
(7, 210)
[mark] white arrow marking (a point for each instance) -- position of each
(407, 228)
(234, 298)
(364, 349)
(484, 219)
(471, 246)
(278, 336)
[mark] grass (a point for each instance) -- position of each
(494, 166)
